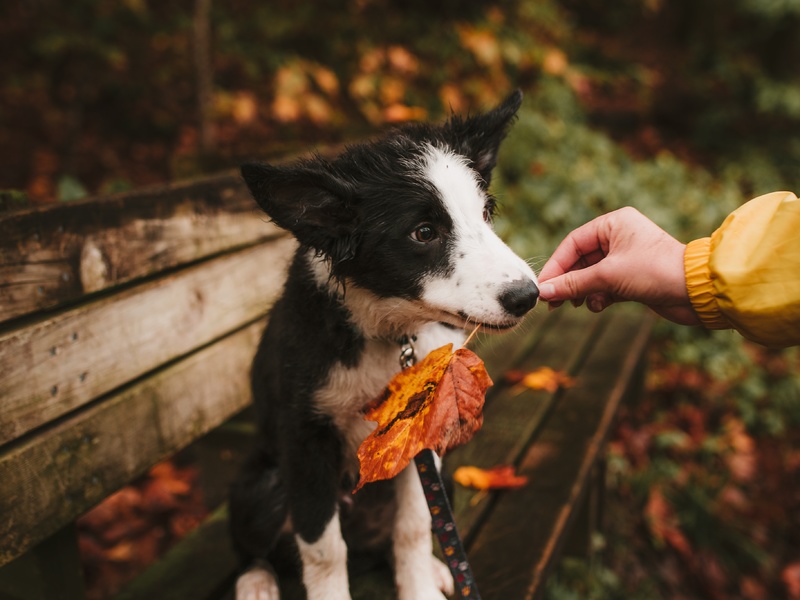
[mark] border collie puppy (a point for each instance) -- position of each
(396, 247)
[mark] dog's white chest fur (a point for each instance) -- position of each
(348, 389)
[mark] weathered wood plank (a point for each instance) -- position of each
(512, 417)
(531, 523)
(51, 478)
(61, 363)
(504, 351)
(58, 253)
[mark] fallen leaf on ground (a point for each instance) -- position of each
(543, 378)
(664, 524)
(435, 404)
(790, 575)
(499, 477)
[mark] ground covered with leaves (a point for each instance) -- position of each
(682, 109)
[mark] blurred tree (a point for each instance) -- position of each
(204, 73)
(722, 74)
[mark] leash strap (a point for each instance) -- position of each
(444, 526)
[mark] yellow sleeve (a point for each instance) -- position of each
(746, 276)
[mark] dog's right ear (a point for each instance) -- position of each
(479, 137)
(307, 200)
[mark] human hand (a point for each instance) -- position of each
(619, 256)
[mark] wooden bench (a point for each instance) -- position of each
(127, 326)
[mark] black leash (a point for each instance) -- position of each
(444, 524)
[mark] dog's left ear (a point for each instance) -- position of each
(478, 137)
(308, 200)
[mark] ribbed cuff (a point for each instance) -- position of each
(699, 285)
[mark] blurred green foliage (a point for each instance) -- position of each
(728, 80)
(556, 173)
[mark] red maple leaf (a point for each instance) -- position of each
(435, 404)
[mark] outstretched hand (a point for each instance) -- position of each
(616, 257)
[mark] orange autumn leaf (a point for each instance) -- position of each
(790, 575)
(499, 477)
(397, 113)
(435, 404)
(543, 378)
(664, 524)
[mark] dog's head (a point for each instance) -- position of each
(409, 217)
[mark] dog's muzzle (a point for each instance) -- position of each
(519, 297)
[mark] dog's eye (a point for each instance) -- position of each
(424, 234)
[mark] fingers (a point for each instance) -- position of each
(585, 246)
(594, 302)
(599, 302)
(573, 285)
(616, 257)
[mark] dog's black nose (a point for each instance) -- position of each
(519, 297)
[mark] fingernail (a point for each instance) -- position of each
(546, 290)
(595, 305)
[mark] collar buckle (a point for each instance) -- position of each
(408, 356)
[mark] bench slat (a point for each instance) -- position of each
(56, 254)
(60, 473)
(530, 524)
(61, 363)
(512, 417)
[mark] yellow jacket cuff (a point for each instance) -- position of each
(700, 286)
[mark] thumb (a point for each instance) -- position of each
(570, 286)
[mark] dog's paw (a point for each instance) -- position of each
(429, 581)
(440, 584)
(257, 584)
(443, 577)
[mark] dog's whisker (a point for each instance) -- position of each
(536, 262)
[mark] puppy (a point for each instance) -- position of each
(396, 248)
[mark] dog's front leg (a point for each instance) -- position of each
(418, 574)
(325, 564)
(314, 474)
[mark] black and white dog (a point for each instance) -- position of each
(396, 244)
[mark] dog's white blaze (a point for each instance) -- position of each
(481, 262)
(325, 564)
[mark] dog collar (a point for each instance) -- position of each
(408, 356)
